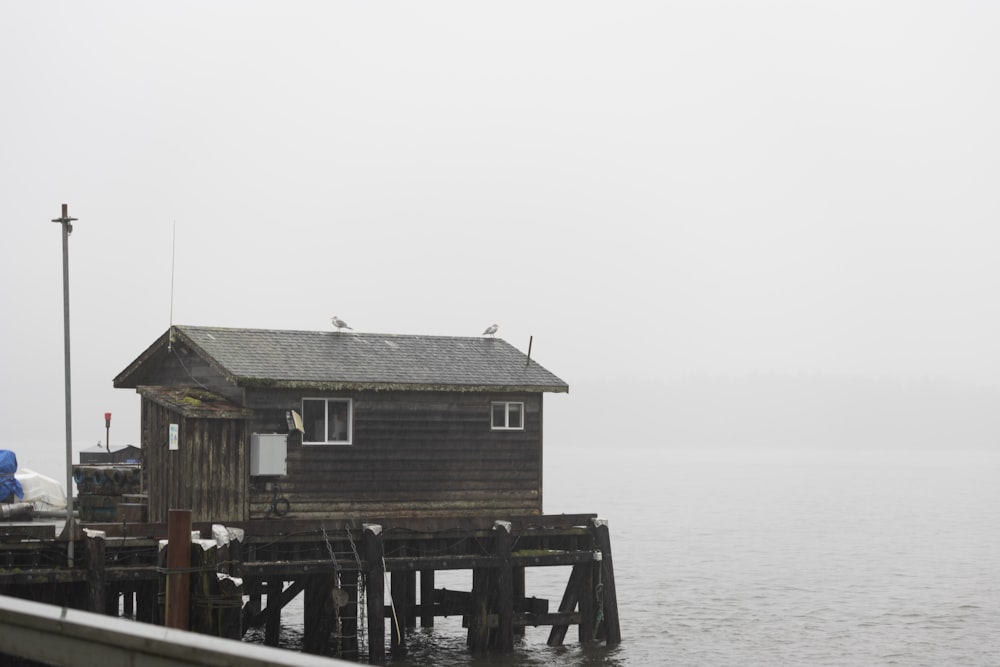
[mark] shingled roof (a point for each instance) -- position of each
(347, 360)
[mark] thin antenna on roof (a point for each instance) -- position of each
(531, 339)
(173, 253)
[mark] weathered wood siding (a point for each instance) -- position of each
(413, 454)
(207, 474)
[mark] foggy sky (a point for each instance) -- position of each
(658, 192)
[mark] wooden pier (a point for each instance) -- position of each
(364, 585)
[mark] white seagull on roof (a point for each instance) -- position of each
(490, 330)
(339, 323)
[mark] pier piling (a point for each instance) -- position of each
(178, 563)
(375, 590)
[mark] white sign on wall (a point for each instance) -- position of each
(173, 436)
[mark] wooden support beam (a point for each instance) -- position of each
(275, 596)
(293, 568)
(415, 527)
(568, 604)
(375, 591)
(554, 619)
(534, 620)
(130, 573)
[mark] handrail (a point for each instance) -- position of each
(69, 637)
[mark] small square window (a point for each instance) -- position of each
(507, 415)
(327, 421)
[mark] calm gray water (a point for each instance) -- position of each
(776, 558)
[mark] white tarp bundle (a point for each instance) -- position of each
(44, 493)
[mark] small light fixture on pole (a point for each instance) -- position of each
(67, 228)
(107, 431)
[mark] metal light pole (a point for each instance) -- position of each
(67, 228)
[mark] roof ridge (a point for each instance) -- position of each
(334, 333)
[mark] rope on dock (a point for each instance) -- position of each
(392, 605)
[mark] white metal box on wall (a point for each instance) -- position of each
(267, 453)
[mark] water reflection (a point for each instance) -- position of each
(445, 646)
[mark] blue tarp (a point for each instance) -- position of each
(8, 483)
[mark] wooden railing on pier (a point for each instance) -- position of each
(63, 637)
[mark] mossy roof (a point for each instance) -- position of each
(331, 359)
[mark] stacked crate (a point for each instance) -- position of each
(102, 488)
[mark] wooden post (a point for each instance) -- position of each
(96, 580)
(610, 627)
(427, 598)
(216, 603)
(178, 562)
(204, 559)
(479, 630)
(112, 599)
(147, 605)
(253, 607)
(228, 590)
(272, 624)
(517, 575)
(411, 600)
(128, 602)
(319, 614)
(505, 589)
(230, 612)
(375, 590)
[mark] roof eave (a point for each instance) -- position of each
(124, 380)
(164, 397)
(252, 382)
(174, 335)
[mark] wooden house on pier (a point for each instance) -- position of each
(339, 425)
(387, 457)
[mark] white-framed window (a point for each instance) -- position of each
(507, 415)
(327, 421)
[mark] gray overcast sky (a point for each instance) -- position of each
(650, 189)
